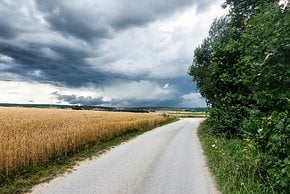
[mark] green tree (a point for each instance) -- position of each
(215, 71)
(267, 57)
(267, 73)
(243, 70)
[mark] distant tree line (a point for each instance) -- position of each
(243, 70)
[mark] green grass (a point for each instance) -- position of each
(234, 163)
(26, 178)
(188, 114)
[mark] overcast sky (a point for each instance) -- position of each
(102, 52)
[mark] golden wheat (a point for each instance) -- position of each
(29, 136)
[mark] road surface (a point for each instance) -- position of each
(165, 160)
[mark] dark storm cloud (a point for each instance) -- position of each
(138, 14)
(69, 70)
(6, 31)
(94, 20)
(74, 99)
(121, 102)
(182, 84)
(65, 18)
(51, 41)
(88, 20)
(133, 102)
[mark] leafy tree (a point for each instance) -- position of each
(267, 57)
(215, 71)
(243, 70)
(267, 73)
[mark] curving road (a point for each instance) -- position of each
(167, 160)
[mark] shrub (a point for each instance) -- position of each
(272, 136)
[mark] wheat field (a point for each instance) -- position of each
(29, 136)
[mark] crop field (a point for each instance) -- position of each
(186, 114)
(29, 136)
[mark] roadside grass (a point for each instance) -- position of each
(23, 180)
(234, 163)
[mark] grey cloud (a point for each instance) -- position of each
(170, 99)
(74, 99)
(71, 70)
(70, 20)
(6, 31)
(181, 85)
(51, 42)
(98, 20)
(203, 5)
(137, 13)
(133, 102)
(88, 20)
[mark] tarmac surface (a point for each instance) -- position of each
(165, 160)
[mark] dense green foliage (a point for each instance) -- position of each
(243, 70)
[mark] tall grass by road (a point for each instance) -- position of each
(234, 163)
(32, 136)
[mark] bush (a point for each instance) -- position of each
(242, 68)
(272, 136)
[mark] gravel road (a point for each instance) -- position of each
(165, 160)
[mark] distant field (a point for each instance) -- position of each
(29, 136)
(186, 114)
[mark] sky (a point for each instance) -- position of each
(120, 53)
